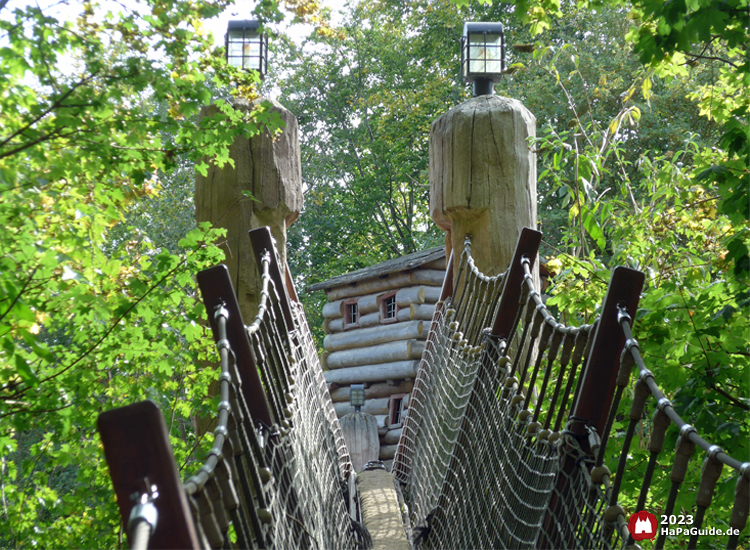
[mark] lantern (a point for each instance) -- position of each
(246, 46)
(357, 396)
(482, 55)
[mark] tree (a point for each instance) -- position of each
(672, 37)
(365, 96)
(673, 205)
(96, 116)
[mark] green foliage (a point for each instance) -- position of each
(671, 39)
(365, 105)
(99, 133)
(672, 205)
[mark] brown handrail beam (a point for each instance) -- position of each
(594, 396)
(262, 242)
(527, 246)
(216, 288)
(138, 453)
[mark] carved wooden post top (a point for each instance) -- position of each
(483, 177)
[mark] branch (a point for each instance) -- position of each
(695, 56)
(47, 111)
(23, 289)
(39, 411)
(733, 400)
(109, 331)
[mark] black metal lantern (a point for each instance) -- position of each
(357, 396)
(483, 55)
(246, 46)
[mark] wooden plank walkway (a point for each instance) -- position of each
(381, 513)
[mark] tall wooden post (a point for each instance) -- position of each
(264, 188)
(483, 178)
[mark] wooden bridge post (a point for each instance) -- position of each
(594, 394)
(263, 188)
(597, 385)
(139, 457)
(483, 178)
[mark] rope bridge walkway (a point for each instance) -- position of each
(510, 427)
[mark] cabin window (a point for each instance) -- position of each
(388, 308)
(396, 410)
(351, 314)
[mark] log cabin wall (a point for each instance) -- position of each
(376, 322)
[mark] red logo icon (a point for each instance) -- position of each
(643, 525)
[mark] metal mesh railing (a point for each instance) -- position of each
(509, 430)
(292, 473)
(277, 474)
(511, 425)
(431, 427)
(479, 454)
(688, 441)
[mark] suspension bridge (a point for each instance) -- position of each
(508, 442)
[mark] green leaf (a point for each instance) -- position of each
(24, 371)
(591, 224)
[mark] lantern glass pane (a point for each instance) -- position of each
(494, 39)
(252, 49)
(235, 49)
(357, 395)
(485, 53)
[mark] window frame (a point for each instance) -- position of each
(382, 307)
(348, 323)
(401, 399)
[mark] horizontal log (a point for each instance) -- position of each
(372, 406)
(387, 451)
(407, 312)
(398, 370)
(382, 428)
(431, 277)
(394, 280)
(372, 336)
(422, 294)
(369, 320)
(414, 312)
(410, 295)
(369, 303)
(333, 310)
(437, 264)
(337, 325)
(365, 304)
(375, 390)
(374, 355)
(392, 436)
(432, 294)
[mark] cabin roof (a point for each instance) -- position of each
(402, 263)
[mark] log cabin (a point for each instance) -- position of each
(376, 321)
